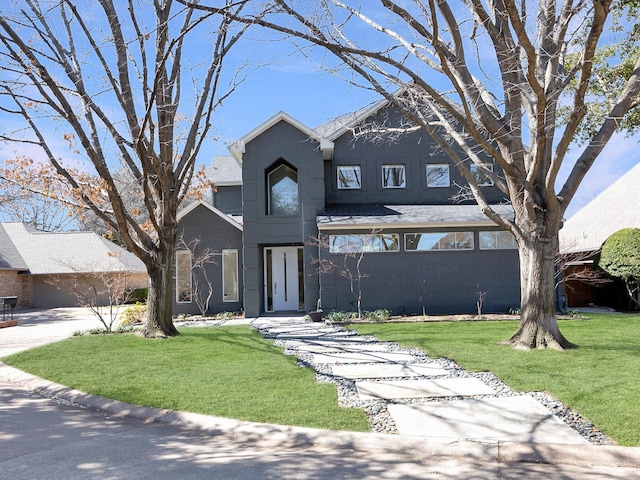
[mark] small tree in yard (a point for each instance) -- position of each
(103, 293)
(131, 84)
(620, 258)
(200, 259)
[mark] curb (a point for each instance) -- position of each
(270, 435)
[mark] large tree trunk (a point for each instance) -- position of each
(538, 323)
(159, 301)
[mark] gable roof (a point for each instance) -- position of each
(615, 208)
(46, 253)
(237, 149)
(336, 127)
(368, 216)
(234, 221)
(225, 170)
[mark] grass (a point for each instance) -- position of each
(224, 371)
(600, 379)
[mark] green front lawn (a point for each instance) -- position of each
(224, 371)
(600, 379)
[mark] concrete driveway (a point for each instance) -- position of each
(37, 326)
(48, 431)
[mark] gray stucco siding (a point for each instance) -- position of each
(414, 150)
(217, 234)
(436, 282)
(282, 142)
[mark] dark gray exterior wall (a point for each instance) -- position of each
(228, 199)
(218, 234)
(439, 282)
(281, 142)
(415, 150)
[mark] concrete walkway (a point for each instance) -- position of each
(49, 431)
(422, 399)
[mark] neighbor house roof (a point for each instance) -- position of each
(65, 252)
(225, 170)
(360, 216)
(615, 208)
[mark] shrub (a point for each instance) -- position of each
(341, 317)
(377, 315)
(133, 315)
(137, 295)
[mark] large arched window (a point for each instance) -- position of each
(282, 190)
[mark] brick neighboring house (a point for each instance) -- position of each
(30, 259)
(423, 251)
(582, 236)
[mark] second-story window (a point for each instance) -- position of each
(438, 175)
(482, 174)
(349, 177)
(393, 176)
(282, 186)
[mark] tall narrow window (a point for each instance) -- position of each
(282, 183)
(393, 176)
(349, 177)
(230, 275)
(184, 291)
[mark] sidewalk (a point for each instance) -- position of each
(433, 452)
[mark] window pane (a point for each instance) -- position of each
(488, 240)
(230, 275)
(393, 176)
(349, 177)
(283, 191)
(438, 175)
(481, 175)
(387, 242)
(438, 241)
(183, 276)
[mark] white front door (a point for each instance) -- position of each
(282, 278)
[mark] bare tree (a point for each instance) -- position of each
(132, 83)
(102, 292)
(485, 79)
(344, 254)
(35, 195)
(200, 259)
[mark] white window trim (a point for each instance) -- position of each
(404, 175)
(476, 171)
(470, 249)
(365, 250)
(225, 253)
(353, 167)
(438, 165)
(497, 232)
(179, 252)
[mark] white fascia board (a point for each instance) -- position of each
(404, 225)
(193, 205)
(237, 149)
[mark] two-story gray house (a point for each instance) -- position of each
(311, 198)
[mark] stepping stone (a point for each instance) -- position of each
(299, 329)
(301, 336)
(505, 419)
(426, 388)
(362, 357)
(333, 341)
(384, 370)
(344, 347)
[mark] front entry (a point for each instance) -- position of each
(283, 279)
